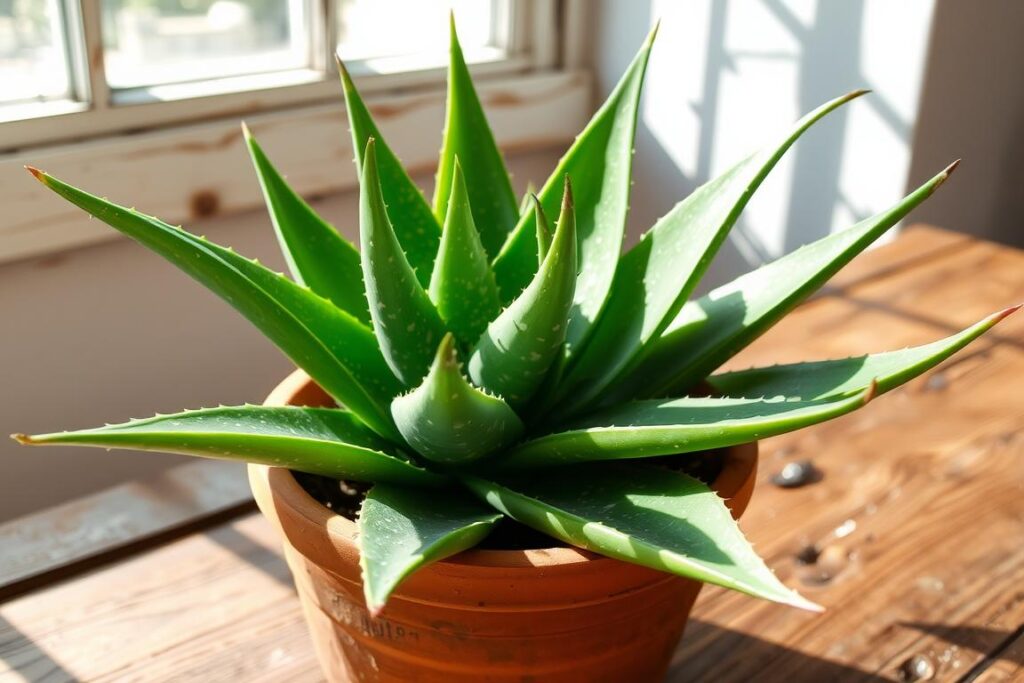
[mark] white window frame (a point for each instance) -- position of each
(184, 159)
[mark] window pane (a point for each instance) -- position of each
(372, 29)
(155, 42)
(33, 60)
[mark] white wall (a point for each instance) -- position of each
(110, 332)
(727, 75)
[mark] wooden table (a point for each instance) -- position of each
(918, 519)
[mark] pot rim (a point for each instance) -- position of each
(734, 483)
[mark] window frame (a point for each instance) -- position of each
(185, 160)
(96, 109)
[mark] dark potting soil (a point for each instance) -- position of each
(345, 498)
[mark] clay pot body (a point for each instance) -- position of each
(556, 614)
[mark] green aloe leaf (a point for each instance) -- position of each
(842, 377)
(526, 203)
(448, 420)
(337, 351)
(462, 284)
(403, 529)
(417, 229)
(543, 230)
(683, 425)
(318, 257)
(711, 330)
(405, 320)
(513, 356)
(599, 165)
(656, 277)
(642, 514)
(326, 441)
(468, 137)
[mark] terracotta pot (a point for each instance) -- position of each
(557, 614)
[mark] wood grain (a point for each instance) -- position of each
(919, 521)
(129, 513)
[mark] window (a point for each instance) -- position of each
(143, 97)
(420, 38)
(164, 51)
(34, 57)
(156, 43)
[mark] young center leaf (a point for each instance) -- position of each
(842, 377)
(326, 441)
(711, 330)
(642, 514)
(417, 230)
(525, 204)
(656, 277)
(643, 429)
(337, 351)
(599, 164)
(462, 284)
(543, 229)
(513, 356)
(406, 323)
(402, 529)
(317, 255)
(448, 420)
(468, 137)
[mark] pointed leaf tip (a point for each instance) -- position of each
(246, 133)
(446, 352)
(1005, 313)
(346, 77)
(800, 602)
(39, 175)
(952, 167)
(23, 439)
(567, 200)
(653, 33)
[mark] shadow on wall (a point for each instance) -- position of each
(972, 105)
(726, 76)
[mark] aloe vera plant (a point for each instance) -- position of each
(491, 358)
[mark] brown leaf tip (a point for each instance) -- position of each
(952, 167)
(1005, 313)
(567, 200)
(23, 439)
(36, 172)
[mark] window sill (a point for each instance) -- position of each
(192, 172)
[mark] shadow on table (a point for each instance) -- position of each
(255, 554)
(709, 652)
(993, 641)
(21, 654)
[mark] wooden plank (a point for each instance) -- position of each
(103, 522)
(217, 606)
(918, 517)
(1003, 666)
(920, 511)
